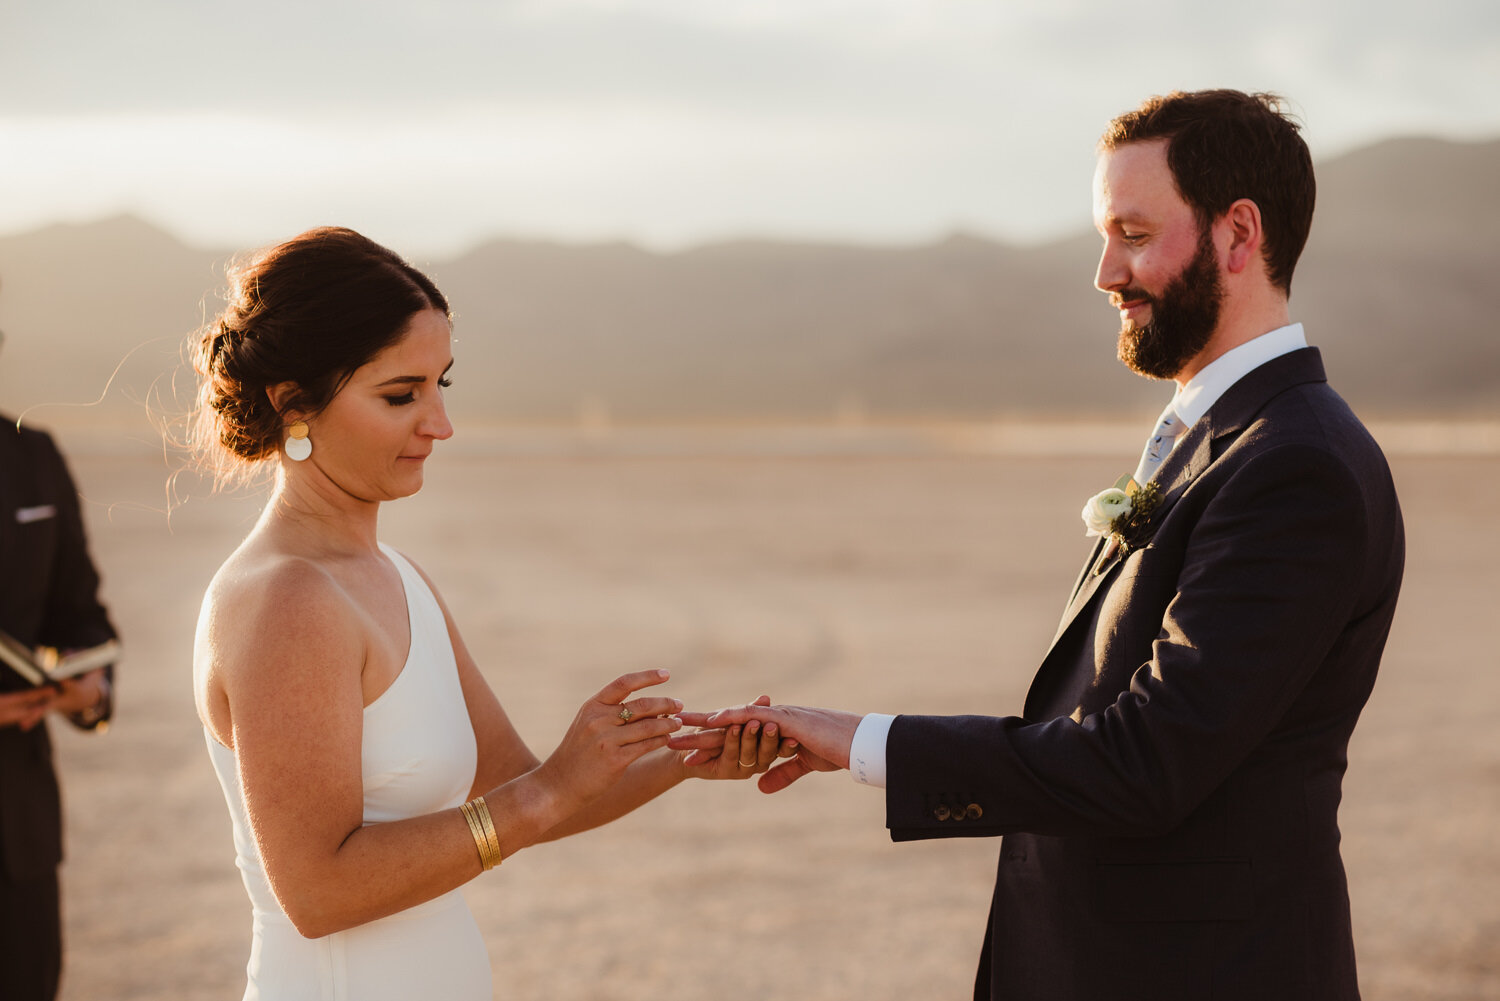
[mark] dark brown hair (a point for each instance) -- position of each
(1224, 145)
(308, 311)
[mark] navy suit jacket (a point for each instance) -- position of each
(1169, 799)
(48, 596)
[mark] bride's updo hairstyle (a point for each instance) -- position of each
(309, 311)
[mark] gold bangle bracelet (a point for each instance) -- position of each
(476, 831)
(482, 828)
(492, 837)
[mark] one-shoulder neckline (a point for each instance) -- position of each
(402, 565)
(397, 562)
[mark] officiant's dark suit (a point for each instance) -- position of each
(1169, 797)
(48, 596)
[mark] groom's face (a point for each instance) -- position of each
(1159, 266)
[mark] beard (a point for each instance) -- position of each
(1183, 317)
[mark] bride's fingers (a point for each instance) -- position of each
(639, 709)
(653, 728)
(765, 751)
(745, 748)
(620, 689)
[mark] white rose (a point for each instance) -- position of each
(1103, 508)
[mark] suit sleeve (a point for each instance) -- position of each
(1262, 593)
(73, 616)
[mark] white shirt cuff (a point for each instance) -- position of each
(867, 752)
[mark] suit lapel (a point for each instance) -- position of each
(1230, 415)
(1186, 462)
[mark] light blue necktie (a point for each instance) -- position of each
(1158, 446)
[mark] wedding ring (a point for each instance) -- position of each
(743, 765)
(625, 714)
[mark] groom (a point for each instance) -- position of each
(1169, 796)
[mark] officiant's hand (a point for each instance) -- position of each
(25, 709)
(82, 695)
(733, 752)
(822, 737)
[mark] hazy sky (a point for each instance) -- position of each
(433, 123)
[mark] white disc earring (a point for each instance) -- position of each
(298, 444)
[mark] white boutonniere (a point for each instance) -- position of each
(1123, 512)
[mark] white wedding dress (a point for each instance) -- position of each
(418, 756)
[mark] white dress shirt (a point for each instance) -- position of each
(1191, 402)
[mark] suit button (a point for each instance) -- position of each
(942, 813)
(974, 812)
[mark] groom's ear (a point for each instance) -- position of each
(1246, 237)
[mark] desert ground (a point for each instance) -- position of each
(917, 581)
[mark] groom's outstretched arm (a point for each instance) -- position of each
(822, 736)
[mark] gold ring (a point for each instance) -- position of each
(743, 765)
(625, 714)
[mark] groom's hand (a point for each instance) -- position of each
(823, 737)
(732, 752)
(784, 774)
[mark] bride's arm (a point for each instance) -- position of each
(289, 652)
(503, 755)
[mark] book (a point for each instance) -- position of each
(46, 666)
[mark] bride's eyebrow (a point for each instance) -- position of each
(410, 380)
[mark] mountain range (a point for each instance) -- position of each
(1393, 286)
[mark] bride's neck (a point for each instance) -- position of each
(320, 521)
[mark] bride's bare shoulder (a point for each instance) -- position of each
(271, 623)
(260, 580)
(262, 601)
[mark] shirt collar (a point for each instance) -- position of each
(1204, 389)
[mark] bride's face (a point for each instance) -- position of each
(375, 435)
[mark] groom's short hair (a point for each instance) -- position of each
(1224, 145)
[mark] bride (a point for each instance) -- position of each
(369, 769)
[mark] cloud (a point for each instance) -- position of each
(675, 120)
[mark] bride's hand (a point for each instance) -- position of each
(734, 752)
(608, 734)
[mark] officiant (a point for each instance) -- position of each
(48, 597)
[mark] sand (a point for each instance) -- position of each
(920, 583)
